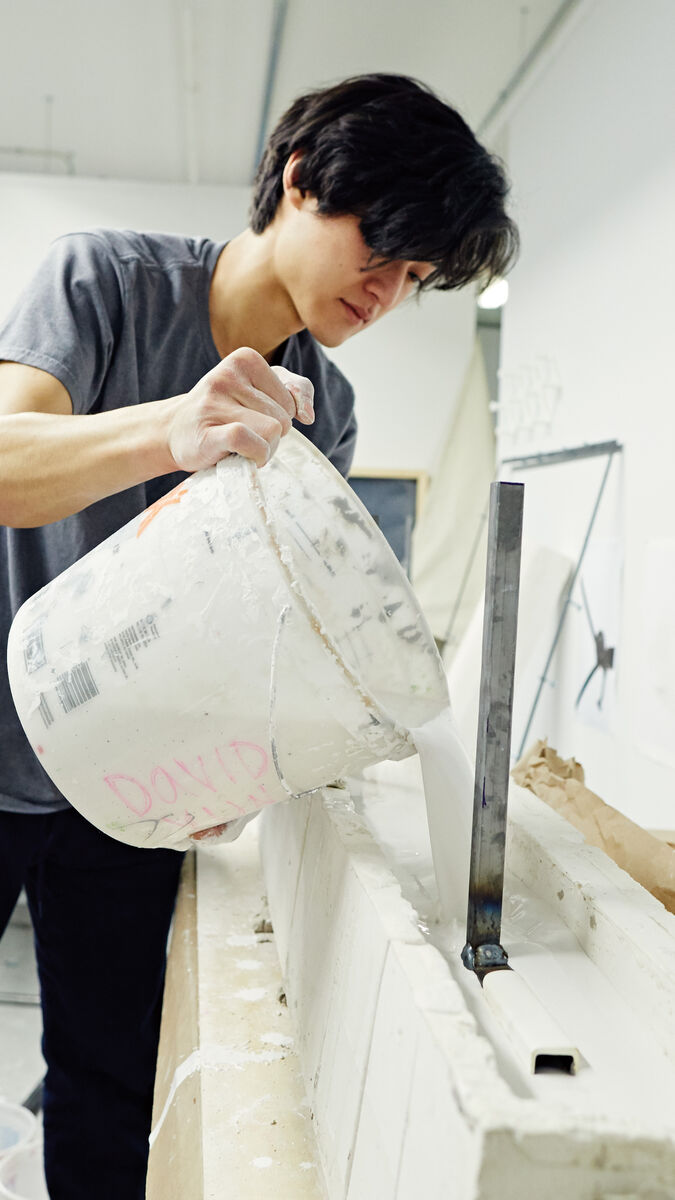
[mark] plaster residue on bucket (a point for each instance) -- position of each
(625, 1077)
(250, 638)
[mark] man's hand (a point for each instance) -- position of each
(53, 464)
(243, 406)
(229, 831)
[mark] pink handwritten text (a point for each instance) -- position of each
(223, 770)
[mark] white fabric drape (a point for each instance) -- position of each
(453, 524)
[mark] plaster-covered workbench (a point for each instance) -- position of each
(404, 1087)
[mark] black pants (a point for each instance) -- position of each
(101, 913)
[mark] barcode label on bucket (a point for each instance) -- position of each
(76, 686)
(122, 649)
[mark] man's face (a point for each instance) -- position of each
(335, 284)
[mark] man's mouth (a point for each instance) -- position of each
(357, 313)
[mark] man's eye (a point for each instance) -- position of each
(375, 264)
(413, 277)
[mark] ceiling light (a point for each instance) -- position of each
(495, 295)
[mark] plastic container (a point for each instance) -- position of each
(249, 637)
(22, 1174)
(17, 1126)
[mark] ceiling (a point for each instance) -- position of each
(175, 90)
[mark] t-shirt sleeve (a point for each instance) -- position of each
(68, 317)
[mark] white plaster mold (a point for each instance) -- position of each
(413, 1087)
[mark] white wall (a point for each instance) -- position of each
(588, 326)
(407, 371)
(37, 208)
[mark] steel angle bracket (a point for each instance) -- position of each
(483, 951)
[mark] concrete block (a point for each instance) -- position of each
(314, 947)
(282, 837)
(336, 1103)
(388, 1082)
(450, 1161)
(372, 1173)
(572, 1165)
(333, 970)
(604, 908)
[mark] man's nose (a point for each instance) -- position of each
(388, 284)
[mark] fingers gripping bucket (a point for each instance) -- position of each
(249, 637)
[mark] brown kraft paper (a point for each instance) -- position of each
(560, 782)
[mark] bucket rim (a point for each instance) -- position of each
(268, 522)
(32, 1147)
(25, 1124)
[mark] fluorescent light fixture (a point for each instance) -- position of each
(495, 295)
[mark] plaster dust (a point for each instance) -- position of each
(625, 1073)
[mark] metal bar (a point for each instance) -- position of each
(568, 597)
(597, 450)
(483, 950)
(278, 22)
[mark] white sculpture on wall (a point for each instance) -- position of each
(529, 400)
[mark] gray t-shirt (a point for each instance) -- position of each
(121, 318)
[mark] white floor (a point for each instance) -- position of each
(21, 1062)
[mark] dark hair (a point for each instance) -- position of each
(385, 148)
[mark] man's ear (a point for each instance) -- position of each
(297, 196)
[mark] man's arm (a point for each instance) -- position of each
(54, 463)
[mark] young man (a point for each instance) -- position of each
(129, 360)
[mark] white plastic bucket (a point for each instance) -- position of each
(22, 1174)
(17, 1126)
(249, 637)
